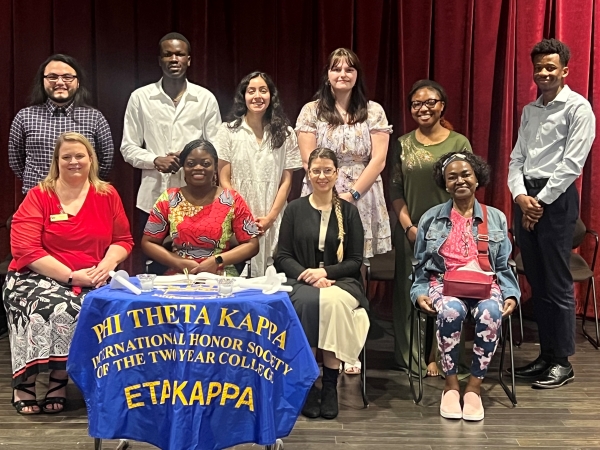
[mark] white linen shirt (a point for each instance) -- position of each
(554, 142)
(154, 127)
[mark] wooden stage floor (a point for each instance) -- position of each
(565, 418)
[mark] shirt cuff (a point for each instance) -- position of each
(519, 190)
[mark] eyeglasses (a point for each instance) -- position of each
(430, 103)
(53, 78)
(327, 172)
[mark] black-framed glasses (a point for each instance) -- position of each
(430, 103)
(327, 172)
(67, 77)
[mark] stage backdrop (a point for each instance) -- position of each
(477, 49)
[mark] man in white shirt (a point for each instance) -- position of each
(555, 137)
(161, 118)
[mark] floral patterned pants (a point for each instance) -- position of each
(451, 313)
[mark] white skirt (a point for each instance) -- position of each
(343, 326)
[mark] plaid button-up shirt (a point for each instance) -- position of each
(34, 131)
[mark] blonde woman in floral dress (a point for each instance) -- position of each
(413, 191)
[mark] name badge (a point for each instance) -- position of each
(59, 217)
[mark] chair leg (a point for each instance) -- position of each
(419, 397)
(596, 342)
(520, 341)
(511, 393)
(363, 375)
(278, 445)
(97, 444)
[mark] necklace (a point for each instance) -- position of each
(176, 99)
(341, 110)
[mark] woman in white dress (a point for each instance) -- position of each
(258, 151)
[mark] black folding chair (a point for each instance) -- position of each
(505, 329)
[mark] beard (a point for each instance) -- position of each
(62, 97)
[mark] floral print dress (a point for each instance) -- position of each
(352, 146)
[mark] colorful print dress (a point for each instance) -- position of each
(199, 232)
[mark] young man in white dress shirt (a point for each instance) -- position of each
(161, 118)
(555, 137)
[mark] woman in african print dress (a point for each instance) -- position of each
(202, 218)
(66, 236)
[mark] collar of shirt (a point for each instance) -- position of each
(160, 93)
(53, 107)
(446, 211)
(244, 125)
(562, 97)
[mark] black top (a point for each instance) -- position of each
(298, 247)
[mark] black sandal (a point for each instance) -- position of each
(19, 405)
(55, 400)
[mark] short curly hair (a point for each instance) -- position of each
(550, 47)
(479, 165)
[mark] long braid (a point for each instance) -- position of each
(337, 206)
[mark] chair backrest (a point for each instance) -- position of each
(579, 234)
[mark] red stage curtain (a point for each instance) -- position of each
(477, 49)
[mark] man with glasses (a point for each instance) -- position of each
(161, 118)
(59, 103)
(555, 137)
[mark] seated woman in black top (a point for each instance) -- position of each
(320, 250)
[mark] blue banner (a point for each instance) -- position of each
(190, 370)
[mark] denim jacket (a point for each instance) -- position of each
(434, 228)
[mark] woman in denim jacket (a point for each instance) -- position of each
(446, 240)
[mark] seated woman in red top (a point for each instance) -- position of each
(202, 218)
(66, 236)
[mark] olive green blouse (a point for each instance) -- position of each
(412, 172)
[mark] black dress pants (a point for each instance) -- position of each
(546, 253)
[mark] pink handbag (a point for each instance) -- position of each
(470, 283)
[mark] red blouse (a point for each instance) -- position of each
(79, 242)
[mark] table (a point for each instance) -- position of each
(190, 370)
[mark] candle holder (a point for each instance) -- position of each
(225, 286)
(146, 281)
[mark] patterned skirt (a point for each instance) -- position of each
(42, 315)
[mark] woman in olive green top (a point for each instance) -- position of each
(413, 191)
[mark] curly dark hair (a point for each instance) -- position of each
(479, 165)
(550, 47)
(201, 144)
(357, 109)
(38, 93)
(274, 116)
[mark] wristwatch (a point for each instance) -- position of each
(537, 199)
(70, 281)
(219, 260)
(355, 194)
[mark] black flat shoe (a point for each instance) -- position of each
(329, 401)
(48, 401)
(556, 377)
(534, 369)
(19, 405)
(311, 408)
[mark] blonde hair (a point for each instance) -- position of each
(325, 153)
(49, 183)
